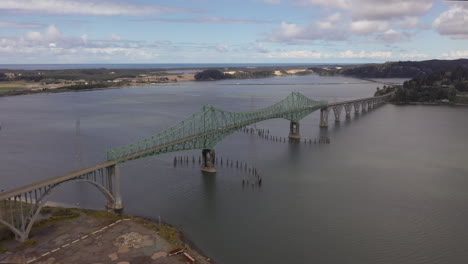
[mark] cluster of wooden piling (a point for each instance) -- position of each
(265, 134)
(257, 131)
(185, 160)
(252, 175)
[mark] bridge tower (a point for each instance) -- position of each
(294, 130)
(208, 160)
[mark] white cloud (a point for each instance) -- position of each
(6, 24)
(348, 54)
(413, 55)
(51, 34)
(365, 27)
(33, 36)
(376, 9)
(222, 48)
(408, 22)
(341, 4)
(115, 37)
(85, 7)
(290, 30)
(364, 54)
(334, 18)
(51, 45)
(453, 22)
(455, 54)
(392, 36)
(207, 20)
(296, 54)
(275, 2)
(330, 22)
(388, 9)
(292, 33)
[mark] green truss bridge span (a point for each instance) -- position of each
(19, 208)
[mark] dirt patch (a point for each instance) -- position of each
(89, 238)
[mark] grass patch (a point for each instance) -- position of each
(169, 233)
(30, 242)
(58, 214)
(3, 249)
(101, 214)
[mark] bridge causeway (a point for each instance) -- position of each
(20, 207)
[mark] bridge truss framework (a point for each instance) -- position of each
(19, 208)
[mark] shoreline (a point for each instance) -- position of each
(170, 83)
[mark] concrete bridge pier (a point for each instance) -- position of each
(364, 106)
(324, 117)
(356, 108)
(113, 179)
(294, 131)
(370, 104)
(208, 160)
(337, 111)
(347, 108)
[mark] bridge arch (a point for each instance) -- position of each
(20, 212)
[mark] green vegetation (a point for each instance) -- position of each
(2, 249)
(30, 242)
(169, 233)
(90, 75)
(211, 75)
(3, 77)
(443, 86)
(398, 69)
(57, 214)
(101, 214)
(385, 90)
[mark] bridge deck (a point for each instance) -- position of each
(149, 151)
(355, 101)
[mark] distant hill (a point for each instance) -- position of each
(398, 69)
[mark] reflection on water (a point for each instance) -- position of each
(389, 188)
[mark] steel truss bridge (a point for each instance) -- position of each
(19, 208)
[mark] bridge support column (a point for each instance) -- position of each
(356, 108)
(113, 179)
(208, 160)
(370, 104)
(337, 111)
(294, 131)
(324, 117)
(347, 108)
(364, 106)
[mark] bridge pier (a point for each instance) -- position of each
(364, 106)
(294, 131)
(337, 111)
(113, 179)
(208, 160)
(324, 117)
(356, 108)
(347, 108)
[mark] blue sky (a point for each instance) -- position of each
(229, 31)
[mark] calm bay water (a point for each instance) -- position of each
(390, 188)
